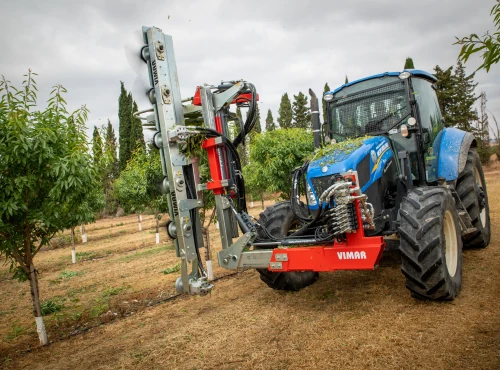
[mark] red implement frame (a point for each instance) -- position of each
(359, 252)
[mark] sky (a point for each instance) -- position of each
(280, 46)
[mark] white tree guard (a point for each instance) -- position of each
(42, 333)
(210, 270)
(157, 238)
(73, 256)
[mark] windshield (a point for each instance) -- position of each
(368, 112)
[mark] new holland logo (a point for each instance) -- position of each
(351, 255)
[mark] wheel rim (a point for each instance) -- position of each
(481, 199)
(450, 239)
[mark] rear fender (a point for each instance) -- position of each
(453, 151)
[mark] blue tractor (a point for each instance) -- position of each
(385, 173)
(420, 185)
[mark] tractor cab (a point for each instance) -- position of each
(400, 106)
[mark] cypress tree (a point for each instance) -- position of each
(285, 112)
(124, 116)
(110, 147)
(136, 133)
(257, 129)
(409, 64)
(323, 103)
(270, 125)
(463, 110)
(97, 148)
(346, 80)
(301, 115)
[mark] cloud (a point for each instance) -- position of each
(280, 46)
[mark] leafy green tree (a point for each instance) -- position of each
(46, 172)
(124, 116)
(137, 187)
(463, 112)
(257, 128)
(111, 170)
(136, 133)
(488, 44)
(97, 147)
(270, 125)
(273, 156)
(445, 91)
(323, 103)
(285, 114)
(409, 64)
(455, 92)
(301, 114)
(346, 81)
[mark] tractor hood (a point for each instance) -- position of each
(368, 155)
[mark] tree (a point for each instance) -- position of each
(97, 148)
(409, 64)
(323, 103)
(445, 91)
(455, 92)
(137, 187)
(301, 114)
(273, 156)
(346, 81)
(270, 125)
(111, 169)
(46, 172)
(463, 111)
(136, 133)
(488, 44)
(257, 128)
(285, 112)
(124, 116)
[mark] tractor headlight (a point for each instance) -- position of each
(404, 75)
(328, 97)
(311, 199)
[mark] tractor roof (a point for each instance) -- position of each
(414, 72)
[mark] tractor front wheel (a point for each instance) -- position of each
(280, 221)
(471, 189)
(431, 244)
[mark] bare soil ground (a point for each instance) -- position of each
(117, 312)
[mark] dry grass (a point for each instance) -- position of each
(346, 320)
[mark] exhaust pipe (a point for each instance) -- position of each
(316, 124)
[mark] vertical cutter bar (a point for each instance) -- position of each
(169, 113)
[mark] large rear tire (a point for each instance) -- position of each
(471, 188)
(279, 220)
(431, 244)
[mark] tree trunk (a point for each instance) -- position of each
(37, 310)
(157, 229)
(84, 234)
(262, 199)
(139, 217)
(251, 201)
(73, 250)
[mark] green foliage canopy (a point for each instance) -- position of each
(46, 172)
(273, 156)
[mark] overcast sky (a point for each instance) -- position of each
(280, 46)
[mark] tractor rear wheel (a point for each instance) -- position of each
(431, 244)
(471, 188)
(279, 220)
